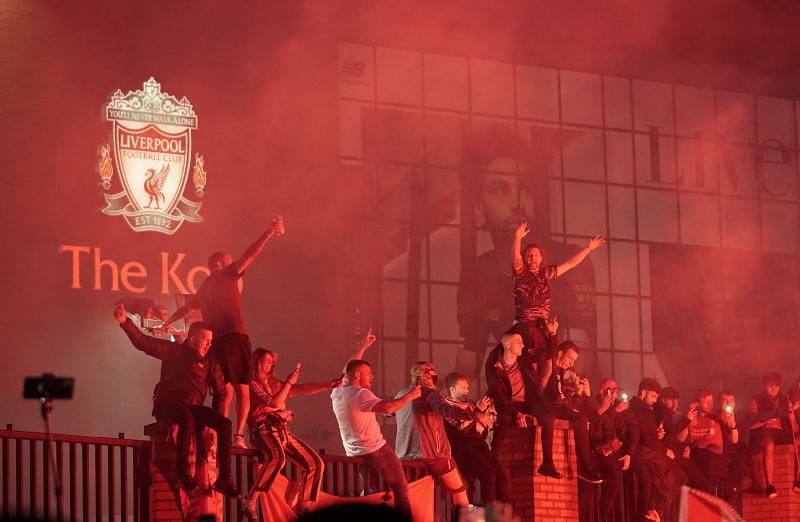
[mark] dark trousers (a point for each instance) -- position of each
(698, 479)
(475, 460)
(192, 418)
(611, 473)
(577, 421)
(387, 465)
(659, 480)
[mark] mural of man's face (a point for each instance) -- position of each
(505, 200)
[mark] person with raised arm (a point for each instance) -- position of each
(532, 303)
(355, 407)
(269, 430)
(219, 299)
(186, 376)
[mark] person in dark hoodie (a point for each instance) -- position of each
(468, 441)
(421, 434)
(676, 431)
(658, 475)
(612, 436)
(186, 376)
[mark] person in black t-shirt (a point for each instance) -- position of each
(532, 303)
(220, 301)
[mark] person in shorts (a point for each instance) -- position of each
(219, 299)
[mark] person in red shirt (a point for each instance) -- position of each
(705, 439)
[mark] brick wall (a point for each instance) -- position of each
(534, 496)
(786, 506)
(168, 502)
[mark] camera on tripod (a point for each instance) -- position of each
(48, 386)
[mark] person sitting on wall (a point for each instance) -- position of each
(562, 395)
(769, 425)
(186, 376)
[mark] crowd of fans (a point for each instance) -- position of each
(710, 445)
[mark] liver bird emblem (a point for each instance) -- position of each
(154, 183)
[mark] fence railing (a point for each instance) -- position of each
(108, 479)
(101, 478)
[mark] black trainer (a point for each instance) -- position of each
(549, 470)
(771, 491)
(589, 475)
(226, 486)
(187, 482)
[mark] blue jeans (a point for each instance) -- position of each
(387, 465)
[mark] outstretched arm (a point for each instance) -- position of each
(391, 406)
(275, 228)
(312, 388)
(516, 247)
(179, 314)
(593, 244)
(150, 345)
(368, 341)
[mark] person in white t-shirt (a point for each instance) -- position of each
(355, 407)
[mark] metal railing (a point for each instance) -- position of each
(101, 478)
(109, 479)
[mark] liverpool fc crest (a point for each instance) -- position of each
(152, 145)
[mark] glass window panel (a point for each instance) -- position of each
(445, 258)
(585, 208)
(444, 134)
(736, 116)
(626, 323)
(624, 267)
(618, 102)
(583, 154)
(658, 215)
(492, 87)
(622, 212)
(694, 109)
(446, 82)
(699, 219)
(581, 98)
(628, 371)
(443, 307)
(780, 227)
(537, 93)
(399, 76)
(775, 120)
(619, 156)
(740, 218)
(652, 106)
(655, 160)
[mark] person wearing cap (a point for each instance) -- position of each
(658, 476)
(421, 434)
